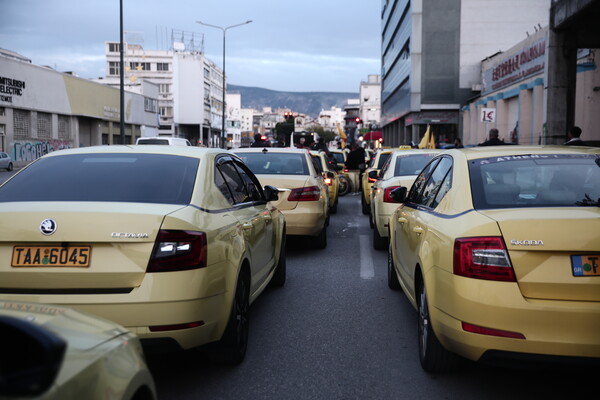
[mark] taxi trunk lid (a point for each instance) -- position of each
(553, 251)
(119, 237)
(285, 183)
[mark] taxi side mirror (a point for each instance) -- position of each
(373, 175)
(399, 194)
(271, 193)
(329, 175)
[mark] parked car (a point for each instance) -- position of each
(164, 140)
(303, 193)
(400, 169)
(498, 248)
(6, 161)
(52, 352)
(330, 175)
(377, 162)
(172, 242)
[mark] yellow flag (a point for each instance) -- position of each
(428, 141)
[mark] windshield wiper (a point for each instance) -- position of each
(587, 201)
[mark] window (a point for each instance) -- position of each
(2, 111)
(252, 185)
(139, 66)
(150, 105)
(435, 182)
(276, 163)
(234, 182)
(64, 128)
(44, 125)
(141, 178)
(223, 187)
(164, 88)
(114, 68)
(411, 165)
(22, 124)
(114, 47)
(414, 195)
(162, 66)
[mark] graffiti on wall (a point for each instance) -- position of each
(29, 151)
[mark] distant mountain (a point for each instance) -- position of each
(309, 103)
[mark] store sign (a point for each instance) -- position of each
(516, 65)
(488, 115)
(10, 87)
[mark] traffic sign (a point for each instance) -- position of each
(488, 115)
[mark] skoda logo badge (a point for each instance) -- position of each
(48, 226)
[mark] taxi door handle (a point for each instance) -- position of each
(418, 230)
(247, 226)
(402, 220)
(267, 218)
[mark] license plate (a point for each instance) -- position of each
(587, 265)
(51, 256)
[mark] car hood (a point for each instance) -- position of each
(543, 245)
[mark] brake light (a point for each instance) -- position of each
(178, 251)
(386, 194)
(309, 193)
(491, 332)
(483, 258)
(328, 181)
(346, 169)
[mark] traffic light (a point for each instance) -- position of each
(358, 120)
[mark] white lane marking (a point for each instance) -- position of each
(367, 271)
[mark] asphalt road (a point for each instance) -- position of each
(336, 331)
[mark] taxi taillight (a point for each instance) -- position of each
(309, 193)
(386, 194)
(483, 258)
(178, 251)
(329, 181)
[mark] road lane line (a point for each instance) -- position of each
(367, 271)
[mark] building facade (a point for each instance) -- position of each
(43, 110)
(370, 102)
(190, 87)
(431, 57)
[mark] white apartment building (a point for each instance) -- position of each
(330, 119)
(190, 88)
(370, 101)
(233, 125)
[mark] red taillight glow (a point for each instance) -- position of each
(483, 258)
(386, 194)
(329, 181)
(309, 193)
(371, 180)
(346, 169)
(178, 251)
(175, 327)
(491, 332)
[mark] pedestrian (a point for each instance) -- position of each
(258, 141)
(321, 146)
(574, 137)
(493, 139)
(458, 143)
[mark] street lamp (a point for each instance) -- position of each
(224, 30)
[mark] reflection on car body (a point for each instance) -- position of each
(172, 242)
(496, 248)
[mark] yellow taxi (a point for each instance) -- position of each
(172, 242)
(400, 169)
(303, 193)
(498, 249)
(330, 175)
(52, 352)
(376, 163)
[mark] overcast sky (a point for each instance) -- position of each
(308, 45)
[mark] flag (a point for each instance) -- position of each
(428, 141)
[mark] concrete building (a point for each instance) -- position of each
(190, 86)
(233, 125)
(330, 119)
(370, 101)
(431, 58)
(43, 110)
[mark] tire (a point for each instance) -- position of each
(333, 209)
(280, 271)
(231, 349)
(366, 209)
(345, 185)
(393, 282)
(379, 242)
(10, 167)
(433, 356)
(320, 241)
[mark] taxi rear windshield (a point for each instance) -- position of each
(549, 180)
(275, 163)
(137, 178)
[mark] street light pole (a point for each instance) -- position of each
(224, 30)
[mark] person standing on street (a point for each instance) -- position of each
(574, 137)
(258, 141)
(493, 139)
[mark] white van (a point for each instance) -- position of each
(165, 140)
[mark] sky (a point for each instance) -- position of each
(300, 46)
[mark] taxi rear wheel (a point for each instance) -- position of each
(366, 209)
(231, 349)
(379, 242)
(344, 186)
(320, 241)
(433, 356)
(393, 282)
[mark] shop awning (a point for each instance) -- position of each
(373, 135)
